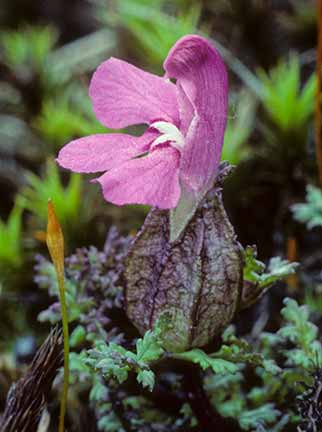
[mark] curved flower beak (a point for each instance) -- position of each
(201, 75)
(202, 89)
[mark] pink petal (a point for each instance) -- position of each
(151, 180)
(124, 95)
(186, 109)
(102, 152)
(199, 69)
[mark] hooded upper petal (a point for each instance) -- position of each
(186, 109)
(151, 180)
(103, 151)
(123, 95)
(201, 74)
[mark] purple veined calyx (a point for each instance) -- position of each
(194, 283)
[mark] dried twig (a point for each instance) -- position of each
(28, 396)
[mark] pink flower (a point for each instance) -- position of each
(181, 148)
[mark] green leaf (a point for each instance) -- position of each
(149, 348)
(278, 269)
(110, 423)
(252, 418)
(289, 107)
(146, 378)
(302, 333)
(67, 116)
(67, 199)
(154, 30)
(113, 360)
(238, 350)
(254, 270)
(310, 212)
(98, 391)
(77, 362)
(305, 108)
(271, 367)
(27, 49)
(232, 407)
(78, 336)
(11, 251)
(205, 361)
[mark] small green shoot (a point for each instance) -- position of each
(67, 199)
(289, 106)
(115, 361)
(310, 212)
(11, 253)
(67, 116)
(302, 333)
(26, 50)
(155, 30)
(254, 270)
(258, 280)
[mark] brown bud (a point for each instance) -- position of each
(194, 282)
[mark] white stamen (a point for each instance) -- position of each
(169, 132)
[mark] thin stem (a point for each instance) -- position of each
(292, 280)
(209, 419)
(55, 243)
(64, 396)
(318, 121)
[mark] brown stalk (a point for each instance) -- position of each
(27, 398)
(318, 120)
(292, 256)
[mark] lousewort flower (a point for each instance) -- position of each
(175, 161)
(185, 264)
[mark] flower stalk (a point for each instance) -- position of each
(318, 120)
(55, 244)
